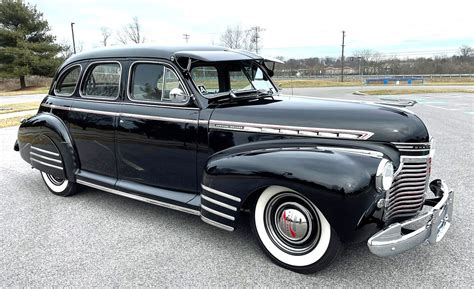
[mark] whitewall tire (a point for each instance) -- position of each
(60, 187)
(293, 231)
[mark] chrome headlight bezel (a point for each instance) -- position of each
(384, 176)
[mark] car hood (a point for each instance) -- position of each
(383, 123)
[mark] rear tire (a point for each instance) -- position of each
(293, 232)
(59, 187)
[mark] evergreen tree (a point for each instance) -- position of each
(26, 46)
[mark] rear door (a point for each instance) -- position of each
(157, 130)
(94, 115)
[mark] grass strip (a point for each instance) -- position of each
(15, 107)
(12, 121)
(416, 91)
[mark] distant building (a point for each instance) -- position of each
(337, 70)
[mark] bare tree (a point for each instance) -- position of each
(122, 37)
(465, 51)
(134, 31)
(237, 38)
(67, 49)
(106, 33)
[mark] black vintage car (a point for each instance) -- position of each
(204, 130)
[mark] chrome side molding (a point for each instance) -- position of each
(139, 198)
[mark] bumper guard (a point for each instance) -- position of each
(396, 238)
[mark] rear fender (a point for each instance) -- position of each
(44, 142)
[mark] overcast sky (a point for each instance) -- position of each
(293, 29)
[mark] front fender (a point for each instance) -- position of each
(47, 132)
(340, 183)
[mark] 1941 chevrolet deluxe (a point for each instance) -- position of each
(204, 130)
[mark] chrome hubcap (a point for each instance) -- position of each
(292, 223)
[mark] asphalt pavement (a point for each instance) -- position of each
(99, 239)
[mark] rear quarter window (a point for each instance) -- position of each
(67, 82)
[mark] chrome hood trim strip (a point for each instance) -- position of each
(291, 130)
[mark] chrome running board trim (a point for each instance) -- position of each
(217, 224)
(139, 198)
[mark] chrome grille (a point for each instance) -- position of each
(407, 194)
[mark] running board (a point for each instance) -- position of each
(139, 198)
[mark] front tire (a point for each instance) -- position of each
(293, 232)
(58, 186)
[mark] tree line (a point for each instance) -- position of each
(368, 62)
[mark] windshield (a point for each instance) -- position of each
(236, 76)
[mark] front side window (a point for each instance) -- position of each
(103, 81)
(67, 81)
(206, 79)
(157, 83)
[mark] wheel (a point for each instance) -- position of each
(57, 186)
(293, 232)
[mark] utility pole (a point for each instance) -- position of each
(342, 56)
(256, 36)
(73, 41)
(186, 36)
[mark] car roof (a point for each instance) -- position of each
(204, 53)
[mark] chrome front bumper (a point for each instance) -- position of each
(397, 238)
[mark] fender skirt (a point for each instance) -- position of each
(45, 143)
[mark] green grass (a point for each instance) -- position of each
(28, 90)
(12, 121)
(15, 107)
(416, 91)
(297, 83)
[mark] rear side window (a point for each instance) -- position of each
(157, 83)
(102, 80)
(67, 81)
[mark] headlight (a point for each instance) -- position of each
(384, 176)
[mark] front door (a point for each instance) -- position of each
(157, 130)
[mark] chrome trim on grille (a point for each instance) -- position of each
(216, 202)
(46, 164)
(217, 213)
(290, 130)
(216, 224)
(139, 198)
(407, 193)
(45, 151)
(219, 193)
(46, 158)
(413, 147)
